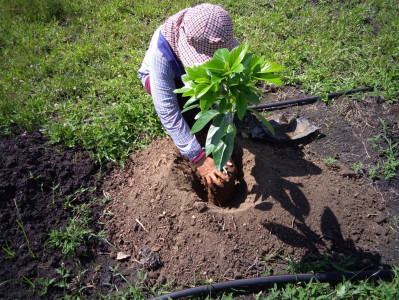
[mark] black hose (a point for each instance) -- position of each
(310, 99)
(269, 280)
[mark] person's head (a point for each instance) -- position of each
(200, 31)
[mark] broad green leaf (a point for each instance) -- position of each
(207, 100)
(237, 55)
(255, 61)
(185, 78)
(237, 69)
(221, 55)
(268, 77)
(197, 72)
(182, 90)
(224, 149)
(202, 80)
(241, 106)
(258, 91)
(222, 107)
(269, 66)
(201, 89)
(215, 78)
(190, 101)
(204, 119)
(247, 59)
(215, 133)
(215, 64)
(249, 94)
(263, 120)
(189, 108)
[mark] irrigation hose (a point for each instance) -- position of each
(270, 105)
(270, 280)
(310, 99)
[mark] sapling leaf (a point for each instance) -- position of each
(197, 72)
(237, 55)
(189, 108)
(224, 149)
(215, 64)
(204, 119)
(215, 133)
(263, 120)
(201, 89)
(241, 106)
(190, 101)
(238, 69)
(273, 78)
(207, 100)
(269, 66)
(221, 55)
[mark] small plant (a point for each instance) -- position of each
(7, 251)
(46, 283)
(32, 177)
(357, 167)
(329, 160)
(390, 165)
(53, 189)
(76, 234)
(222, 88)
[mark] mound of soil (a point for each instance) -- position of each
(287, 201)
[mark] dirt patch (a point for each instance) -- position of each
(287, 200)
(35, 179)
(288, 203)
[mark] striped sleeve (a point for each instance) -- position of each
(167, 107)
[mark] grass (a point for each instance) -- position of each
(389, 164)
(70, 66)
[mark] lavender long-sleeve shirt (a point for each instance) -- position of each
(162, 85)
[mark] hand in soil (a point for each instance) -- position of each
(206, 168)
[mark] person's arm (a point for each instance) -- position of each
(167, 107)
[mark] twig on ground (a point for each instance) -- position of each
(142, 226)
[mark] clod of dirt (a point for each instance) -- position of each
(221, 196)
(148, 259)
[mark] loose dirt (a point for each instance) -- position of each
(288, 205)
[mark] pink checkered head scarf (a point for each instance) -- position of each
(195, 33)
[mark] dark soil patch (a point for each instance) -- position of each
(288, 203)
(30, 170)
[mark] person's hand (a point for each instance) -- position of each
(206, 168)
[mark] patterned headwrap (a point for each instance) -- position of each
(195, 33)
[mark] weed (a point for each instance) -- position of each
(46, 283)
(390, 165)
(76, 234)
(32, 177)
(133, 290)
(357, 167)
(65, 278)
(329, 160)
(7, 251)
(21, 225)
(53, 189)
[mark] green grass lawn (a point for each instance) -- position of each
(64, 61)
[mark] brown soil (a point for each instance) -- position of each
(287, 200)
(288, 203)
